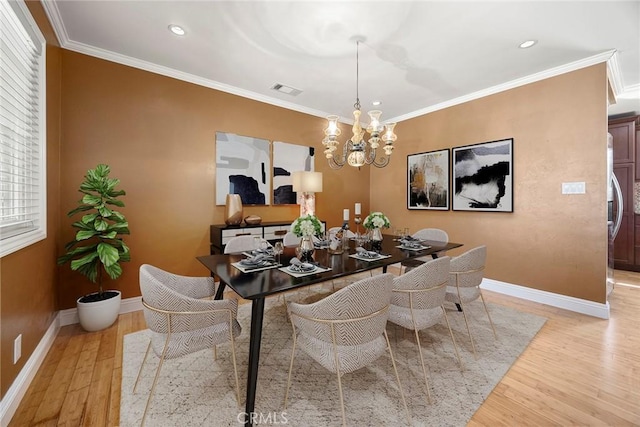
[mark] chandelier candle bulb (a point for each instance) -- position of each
(345, 215)
(358, 206)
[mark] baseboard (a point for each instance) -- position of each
(578, 305)
(70, 316)
(10, 402)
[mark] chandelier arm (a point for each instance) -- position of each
(333, 164)
(382, 162)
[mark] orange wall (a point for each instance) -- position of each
(551, 242)
(28, 278)
(158, 136)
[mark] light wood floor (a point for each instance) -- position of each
(578, 370)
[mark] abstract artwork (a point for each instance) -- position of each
(288, 158)
(483, 177)
(428, 180)
(242, 167)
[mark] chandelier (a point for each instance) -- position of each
(356, 151)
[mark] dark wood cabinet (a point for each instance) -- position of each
(624, 140)
(624, 244)
(626, 166)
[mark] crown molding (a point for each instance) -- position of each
(53, 13)
(552, 72)
(615, 75)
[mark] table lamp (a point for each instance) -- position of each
(306, 184)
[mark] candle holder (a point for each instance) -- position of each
(358, 221)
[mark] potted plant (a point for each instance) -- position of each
(98, 246)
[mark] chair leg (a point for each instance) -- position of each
(344, 418)
(155, 380)
(455, 346)
(235, 366)
(141, 366)
(495, 336)
(466, 321)
(424, 370)
(395, 370)
(293, 353)
(215, 352)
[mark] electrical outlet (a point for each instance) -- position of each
(17, 349)
(573, 188)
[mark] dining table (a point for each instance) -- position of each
(256, 285)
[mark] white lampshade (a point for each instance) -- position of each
(307, 182)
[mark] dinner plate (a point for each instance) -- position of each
(302, 268)
(368, 254)
(252, 263)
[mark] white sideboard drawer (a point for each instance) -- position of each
(229, 234)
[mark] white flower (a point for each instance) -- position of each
(306, 226)
(376, 220)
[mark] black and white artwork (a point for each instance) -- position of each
(483, 177)
(243, 167)
(288, 158)
(428, 180)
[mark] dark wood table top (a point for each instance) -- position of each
(259, 284)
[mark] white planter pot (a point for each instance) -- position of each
(98, 315)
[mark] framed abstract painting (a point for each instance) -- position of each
(243, 166)
(288, 158)
(483, 177)
(428, 180)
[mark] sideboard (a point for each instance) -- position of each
(271, 231)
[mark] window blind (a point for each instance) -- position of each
(22, 162)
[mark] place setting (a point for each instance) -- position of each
(366, 255)
(412, 244)
(261, 258)
(299, 268)
(256, 263)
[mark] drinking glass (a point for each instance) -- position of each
(278, 248)
(256, 243)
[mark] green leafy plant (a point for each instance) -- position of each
(98, 245)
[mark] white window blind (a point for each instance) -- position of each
(22, 129)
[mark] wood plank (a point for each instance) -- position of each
(49, 408)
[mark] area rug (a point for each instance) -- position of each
(197, 390)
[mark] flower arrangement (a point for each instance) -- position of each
(376, 220)
(307, 225)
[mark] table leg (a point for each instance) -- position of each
(220, 291)
(257, 313)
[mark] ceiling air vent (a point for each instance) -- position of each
(286, 89)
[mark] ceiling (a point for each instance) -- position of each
(416, 57)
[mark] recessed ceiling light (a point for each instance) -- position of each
(527, 43)
(177, 30)
(376, 103)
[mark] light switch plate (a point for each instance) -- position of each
(573, 188)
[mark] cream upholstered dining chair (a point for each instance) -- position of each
(181, 322)
(465, 276)
(239, 244)
(417, 303)
(434, 234)
(290, 239)
(345, 331)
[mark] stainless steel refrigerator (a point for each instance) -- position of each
(615, 205)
